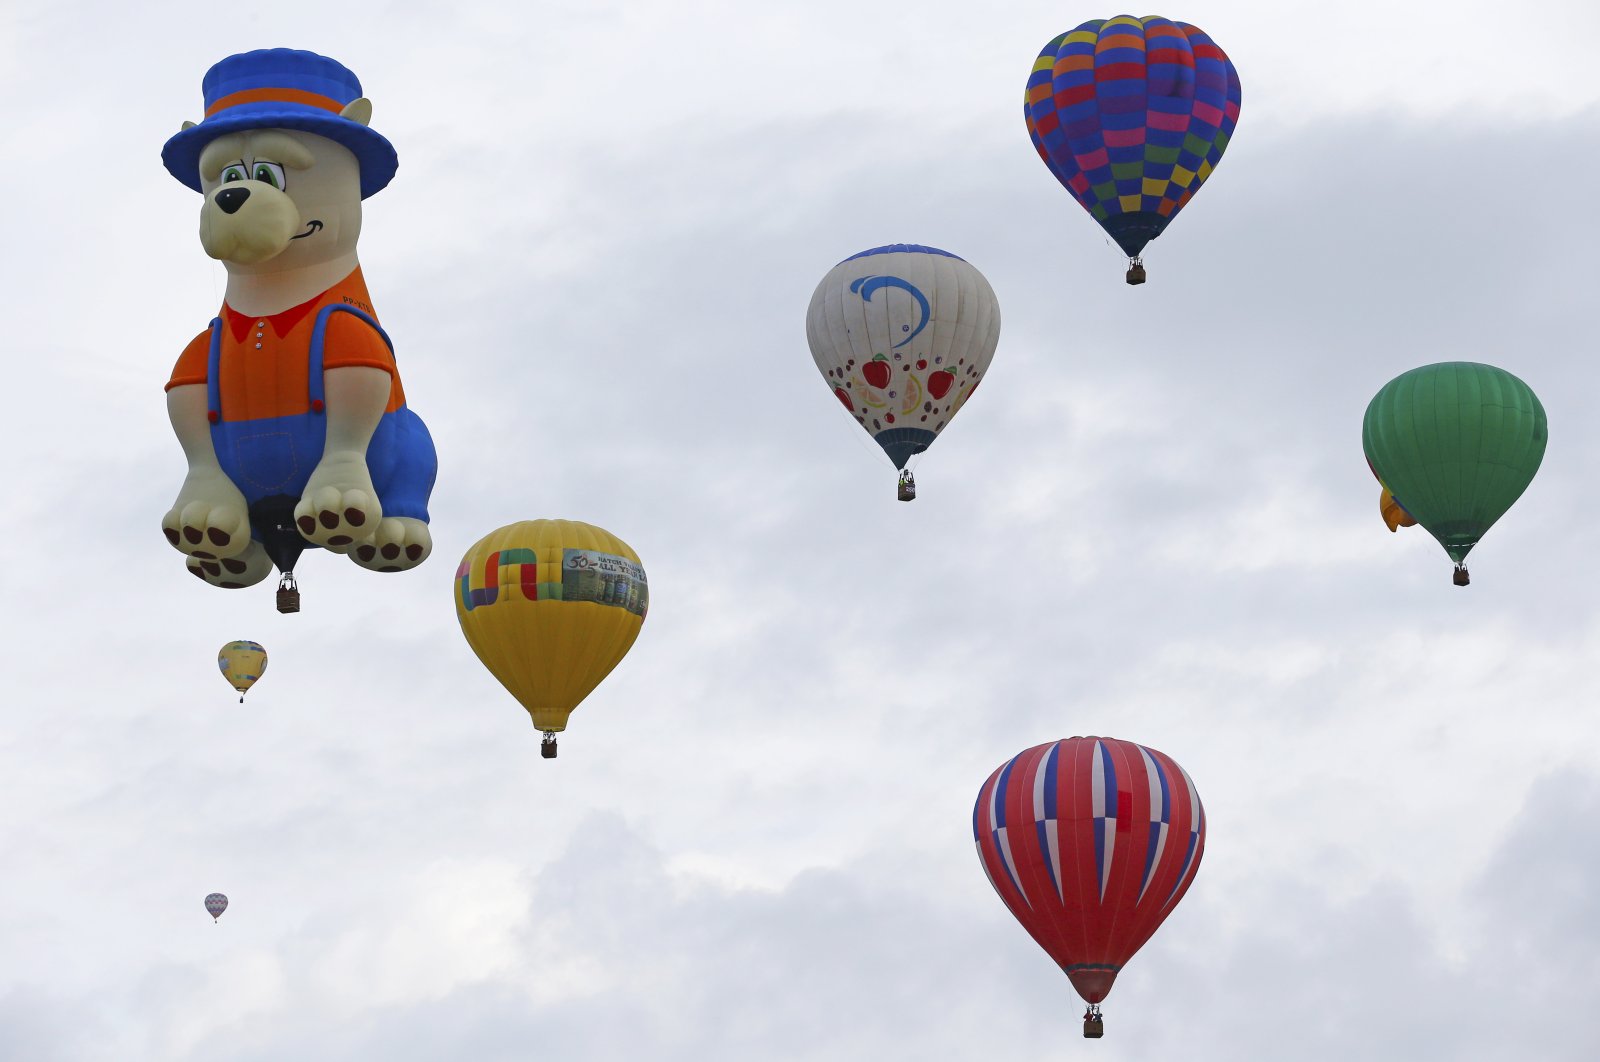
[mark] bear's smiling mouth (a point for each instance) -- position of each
(312, 226)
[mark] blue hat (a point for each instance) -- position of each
(281, 88)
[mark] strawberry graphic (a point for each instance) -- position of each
(939, 382)
(877, 371)
(844, 396)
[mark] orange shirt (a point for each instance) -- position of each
(265, 360)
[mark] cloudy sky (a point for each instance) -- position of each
(1154, 522)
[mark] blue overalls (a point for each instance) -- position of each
(276, 455)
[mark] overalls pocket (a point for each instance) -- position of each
(267, 461)
(273, 455)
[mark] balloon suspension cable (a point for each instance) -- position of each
(547, 747)
(907, 490)
(1136, 270)
(288, 594)
(1461, 578)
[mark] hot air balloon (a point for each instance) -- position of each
(289, 406)
(1394, 514)
(550, 607)
(216, 903)
(1132, 115)
(1091, 842)
(242, 663)
(1455, 444)
(903, 335)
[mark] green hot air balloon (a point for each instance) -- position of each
(1456, 444)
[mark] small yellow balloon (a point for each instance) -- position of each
(242, 663)
(550, 607)
(1394, 514)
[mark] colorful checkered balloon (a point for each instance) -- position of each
(1132, 115)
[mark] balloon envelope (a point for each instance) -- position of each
(550, 607)
(1091, 842)
(903, 335)
(1455, 444)
(216, 903)
(242, 663)
(1132, 115)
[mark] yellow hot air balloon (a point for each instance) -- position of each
(1394, 514)
(242, 662)
(550, 607)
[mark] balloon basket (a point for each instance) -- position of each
(1135, 275)
(547, 748)
(907, 490)
(288, 594)
(1460, 578)
(1093, 1029)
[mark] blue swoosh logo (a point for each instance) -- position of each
(866, 286)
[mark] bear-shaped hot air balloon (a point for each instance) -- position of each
(289, 406)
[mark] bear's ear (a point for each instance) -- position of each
(358, 111)
(187, 125)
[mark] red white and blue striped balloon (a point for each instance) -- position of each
(1091, 842)
(216, 903)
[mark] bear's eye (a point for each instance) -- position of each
(269, 173)
(233, 172)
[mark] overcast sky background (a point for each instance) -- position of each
(1155, 524)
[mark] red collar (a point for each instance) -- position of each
(282, 323)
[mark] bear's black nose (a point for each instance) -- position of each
(231, 199)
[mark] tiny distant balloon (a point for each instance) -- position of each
(216, 903)
(550, 607)
(242, 663)
(903, 335)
